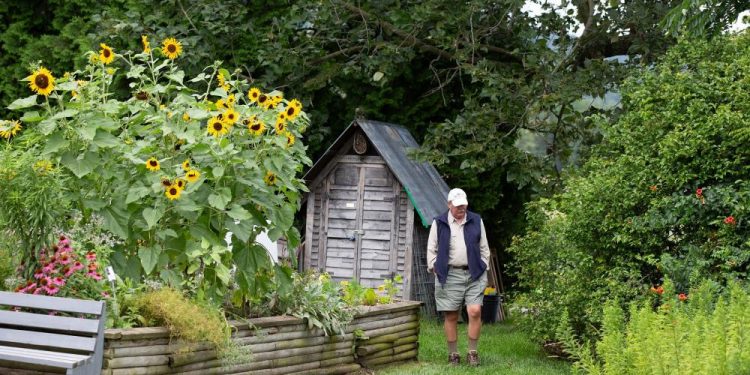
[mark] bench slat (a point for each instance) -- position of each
(51, 303)
(50, 340)
(41, 357)
(58, 323)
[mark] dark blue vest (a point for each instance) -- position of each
(472, 235)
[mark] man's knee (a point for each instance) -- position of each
(474, 311)
(451, 316)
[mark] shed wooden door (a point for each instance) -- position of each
(360, 215)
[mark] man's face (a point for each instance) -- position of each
(458, 212)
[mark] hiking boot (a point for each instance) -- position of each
(454, 359)
(473, 358)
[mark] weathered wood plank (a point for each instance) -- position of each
(51, 303)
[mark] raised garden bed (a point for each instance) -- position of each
(378, 335)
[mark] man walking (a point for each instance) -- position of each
(458, 254)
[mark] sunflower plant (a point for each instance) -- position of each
(174, 167)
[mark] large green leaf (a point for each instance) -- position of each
(238, 212)
(65, 114)
(135, 193)
(152, 216)
(55, 142)
(115, 221)
(23, 103)
(149, 257)
(80, 165)
(282, 217)
(220, 198)
(47, 126)
(104, 139)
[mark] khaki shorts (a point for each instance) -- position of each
(459, 288)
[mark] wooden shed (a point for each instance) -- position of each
(369, 210)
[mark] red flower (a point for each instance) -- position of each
(658, 290)
(682, 297)
(699, 192)
(729, 220)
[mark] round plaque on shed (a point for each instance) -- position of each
(360, 143)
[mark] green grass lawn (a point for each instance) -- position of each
(503, 349)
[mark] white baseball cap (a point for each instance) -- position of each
(457, 197)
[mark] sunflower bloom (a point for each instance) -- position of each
(262, 100)
(186, 165)
(171, 48)
(231, 100)
(185, 117)
(289, 139)
(152, 164)
(293, 109)
(216, 127)
(282, 116)
(221, 103)
(253, 95)
(106, 55)
(222, 82)
(230, 117)
(255, 126)
(146, 44)
(280, 127)
(41, 81)
(173, 192)
(9, 128)
(270, 178)
(180, 183)
(192, 175)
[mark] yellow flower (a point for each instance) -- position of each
(111, 71)
(253, 94)
(180, 183)
(289, 139)
(262, 100)
(171, 48)
(93, 58)
(222, 82)
(222, 104)
(231, 100)
(41, 81)
(255, 126)
(192, 175)
(280, 127)
(270, 178)
(43, 166)
(173, 192)
(216, 127)
(9, 128)
(152, 164)
(146, 44)
(105, 54)
(293, 109)
(281, 116)
(185, 117)
(230, 117)
(186, 165)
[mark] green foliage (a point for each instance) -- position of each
(705, 334)
(703, 18)
(190, 320)
(169, 158)
(666, 194)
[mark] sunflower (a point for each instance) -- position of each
(229, 117)
(41, 81)
(280, 127)
(180, 183)
(186, 165)
(171, 48)
(192, 175)
(106, 55)
(152, 164)
(289, 139)
(282, 116)
(166, 182)
(293, 109)
(146, 44)
(270, 178)
(185, 117)
(173, 192)
(262, 99)
(255, 126)
(253, 94)
(231, 100)
(216, 127)
(9, 128)
(221, 103)
(222, 82)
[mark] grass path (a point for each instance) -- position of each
(503, 349)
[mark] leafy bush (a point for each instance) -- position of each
(666, 194)
(703, 332)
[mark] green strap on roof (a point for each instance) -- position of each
(425, 223)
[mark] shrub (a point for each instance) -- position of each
(703, 332)
(666, 194)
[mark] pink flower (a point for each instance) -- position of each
(59, 281)
(94, 275)
(76, 266)
(49, 268)
(51, 290)
(64, 258)
(698, 192)
(64, 241)
(729, 220)
(91, 256)
(39, 273)
(105, 295)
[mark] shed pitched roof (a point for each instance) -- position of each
(424, 186)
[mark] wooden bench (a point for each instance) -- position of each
(32, 341)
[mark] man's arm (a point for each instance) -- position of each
(432, 247)
(483, 246)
